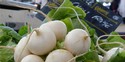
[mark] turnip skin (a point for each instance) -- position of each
(77, 41)
(42, 41)
(20, 50)
(59, 55)
(58, 27)
(110, 53)
(100, 58)
(32, 58)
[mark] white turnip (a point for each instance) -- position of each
(100, 58)
(59, 55)
(42, 41)
(77, 41)
(110, 53)
(20, 50)
(58, 27)
(32, 58)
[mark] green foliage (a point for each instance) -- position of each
(7, 33)
(68, 23)
(115, 38)
(6, 55)
(70, 15)
(23, 30)
(91, 56)
(8, 37)
(65, 10)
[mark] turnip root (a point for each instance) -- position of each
(20, 50)
(59, 55)
(42, 41)
(58, 27)
(32, 58)
(110, 53)
(100, 58)
(77, 41)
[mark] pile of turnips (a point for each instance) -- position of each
(42, 42)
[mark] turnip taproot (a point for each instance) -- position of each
(58, 27)
(42, 41)
(20, 50)
(110, 53)
(32, 58)
(59, 55)
(77, 41)
(100, 58)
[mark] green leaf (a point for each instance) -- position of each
(112, 39)
(7, 33)
(50, 14)
(66, 3)
(68, 23)
(23, 30)
(4, 39)
(90, 56)
(80, 12)
(5, 28)
(76, 23)
(59, 45)
(108, 46)
(61, 13)
(15, 35)
(65, 10)
(115, 38)
(6, 55)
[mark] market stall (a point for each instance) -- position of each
(70, 31)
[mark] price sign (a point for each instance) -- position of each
(103, 20)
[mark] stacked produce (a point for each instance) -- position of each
(64, 37)
(42, 41)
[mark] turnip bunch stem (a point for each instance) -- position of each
(119, 43)
(76, 57)
(8, 47)
(28, 26)
(102, 50)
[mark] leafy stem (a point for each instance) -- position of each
(76, 57)
(102, 50)
(121, 44)
(8, 47)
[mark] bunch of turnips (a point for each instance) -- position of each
(42, 42)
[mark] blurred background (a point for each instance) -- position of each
(9, 15)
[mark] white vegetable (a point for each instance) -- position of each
(32, 58)
(42, 41)
(100, 58)
(58, 27)
(20, 51)
(59, 55)
(77, 41)
(110, 53)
